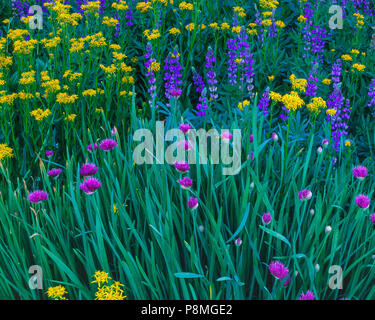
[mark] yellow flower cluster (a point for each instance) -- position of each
(144, 6)
(91, 6)
(27, 78)
(40, 114)
(70, 117)
(331, 112)
(7, 99)
(298, 84)
(17, 34)
(154, 34)
(65, 98)
(243, 104)
(120, 6)
(186, 6)
(301, 19)
(174, 31)
(51, 43)
(346, 57)
(5, 152)
(240, 11)
(107, 292)
(57, 292)
(276, 97)
(154, 66)
(268, 4)
(110, 22)
(327, 82)
(359, 67)
(316, 104)
(292, 101)
(96, 40)
(24, 46)
(359, 20)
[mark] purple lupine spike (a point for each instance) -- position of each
(129, 17)
(150, 73)
(312, 87)
(247, 62)
(371, 94)
(264, 102)
(318, 36)
(201, 89)
(306, 32)
(232, 53)
(210, 73)
(172, 75)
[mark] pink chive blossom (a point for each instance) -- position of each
(107, 144)
(304, 195)
(184, 127)
(319, 150)
(251, 138)
(226, 136)
(266, 218)
(88, 169)
(278, 270)
(287, 281)
(90, 185)
(372, 218)
(92, 147)
(54, 172)
(184, 144)
(325, 142)
(175, 93)
(49, 153)
(362, 201)
(185, 183)
(182, 166)
(360, 172)
(307, 296)
(274, 136)
(193, 203)
(238, 242)
(37, 196)
(114, 131)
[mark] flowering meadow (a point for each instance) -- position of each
(79, 78)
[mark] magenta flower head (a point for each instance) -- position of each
(362, 201)
(325, 142)
(184, 127)
(274, 136)
(92, 147)
(226, 136)
(185, 183)
(304, 195)
(278, 270)
(193, 203)
(37, 196)
(54, 172)
(372, 218)
(251, 138)
(107, 144)
(307, 296)
(238, 242)
(49, 153)
(182, 166)
(114, 131)
(90, 185)
(88, 169)
(175, 93)
(360, 172)
(287, 281)
(184, 144)
(266, 218)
